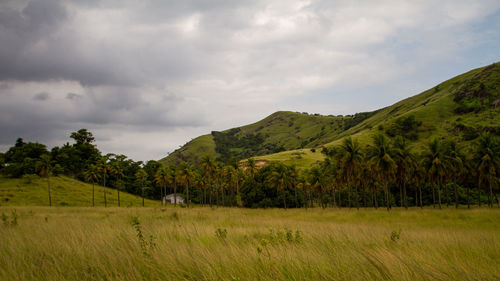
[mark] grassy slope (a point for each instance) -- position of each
(287, 128)
(101, 244)
(435, 108)
(192, 151)
(65, 191)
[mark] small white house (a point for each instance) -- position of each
(171, 199)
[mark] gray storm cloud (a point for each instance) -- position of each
(162, 72)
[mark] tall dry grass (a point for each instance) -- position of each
(190, 244)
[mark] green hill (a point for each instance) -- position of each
(65, 191)
(460, 108)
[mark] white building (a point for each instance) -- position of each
(170, 199)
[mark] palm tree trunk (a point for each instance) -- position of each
(456, 192)
(386, 189)
(468, 196)
(400, 196)
(175, 194)
(48, 186)
(479, 192)
(142, 193)
(404, 195)
(357, 198)
(439, 194)
(421, 202)
(187, 194)
(295, 193)
(334, 200)
(161, 195)
(305, 198)
(105, 202)
(416, 198)
(118, 197)
(491, 193)
(284, 200)
(433, 197)
(210, 195)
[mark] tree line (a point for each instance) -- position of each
(386, 173)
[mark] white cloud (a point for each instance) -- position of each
(163, 73)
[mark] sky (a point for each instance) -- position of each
(145, 77)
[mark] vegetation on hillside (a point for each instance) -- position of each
(461, 108)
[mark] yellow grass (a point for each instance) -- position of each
(182, 244)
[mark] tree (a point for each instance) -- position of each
(209, 166)
(186, 176)
(281, 179)
(455, 159)
(380, 156)
(117, 170)
(435, 166)
(104, 168)
(488, 158)
(161, 177)
(141, 176)
(92, 175)
(351, 159)
(404, 160)
(44, 168)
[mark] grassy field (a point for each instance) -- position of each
(76, 243)
(65, 192)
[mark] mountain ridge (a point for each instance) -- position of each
(460, 108)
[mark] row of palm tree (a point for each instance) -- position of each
(361, 174)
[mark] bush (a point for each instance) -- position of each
(30, 178)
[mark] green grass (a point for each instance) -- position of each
(183, 244)
(65, 191)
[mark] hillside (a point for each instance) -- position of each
(460, 108)
(65, 191)
(281, 131)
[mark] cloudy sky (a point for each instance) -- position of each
(147, 76)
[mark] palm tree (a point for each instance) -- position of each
(404, 160)
(117, 170)
(92, 175)
(104, 168)
(161, 177)
(280, 178)
(380, 156)
(455, 160)
(44, 168)
(186, 176)
(141, 176)
(435, 166)
(315, 178)
(208, 166)
(251, 167)
(488, 159)
(351, 159)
